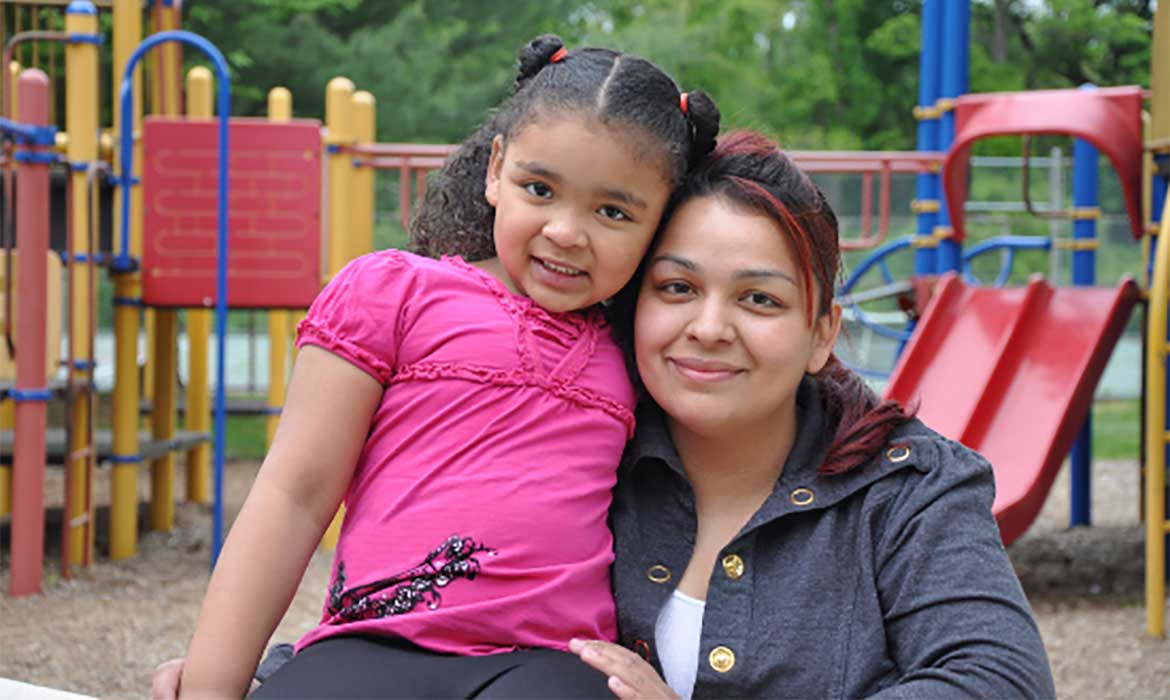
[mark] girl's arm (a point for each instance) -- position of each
(303, 479)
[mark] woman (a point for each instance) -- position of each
(779, 531)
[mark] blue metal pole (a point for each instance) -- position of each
(1085, 187)
(224, 105)
(927, 192)
(956, 30)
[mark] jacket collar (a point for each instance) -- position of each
(800, 487)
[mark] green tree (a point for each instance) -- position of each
(814, 73)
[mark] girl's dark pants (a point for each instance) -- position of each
(369, 667)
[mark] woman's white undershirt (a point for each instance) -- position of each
(677, 633)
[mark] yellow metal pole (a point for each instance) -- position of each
(362, 183)
(14, 69)
(279, 110)
(1156, 348)
(1156, 434)
(166, 60)
(7, 408)
(81, 123)
(162, 469)
(339, 130)
(162, 360)
(198, 416)
(127, 299)
(8, 423)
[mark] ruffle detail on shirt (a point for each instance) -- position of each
(523, 307)
(311, 333)
(587, 398)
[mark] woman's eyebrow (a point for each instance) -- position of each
(681, 262)
(765, 272)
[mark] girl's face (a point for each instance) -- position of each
(721, 336)
(577, 203)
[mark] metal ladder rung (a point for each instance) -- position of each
(88, 451)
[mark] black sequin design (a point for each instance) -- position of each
(403, 592)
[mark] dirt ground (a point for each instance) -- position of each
(102, 632)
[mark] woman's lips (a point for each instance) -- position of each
(703, 370)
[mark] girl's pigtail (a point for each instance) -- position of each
(704, 118)
(534, 56)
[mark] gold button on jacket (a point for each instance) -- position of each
(733, 566)
(721, 659)
(658, 573)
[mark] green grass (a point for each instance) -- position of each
(1116, 429)
(1116, 432)
(244, 437)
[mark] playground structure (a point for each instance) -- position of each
(1028, 358)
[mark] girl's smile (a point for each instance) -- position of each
(577, 203)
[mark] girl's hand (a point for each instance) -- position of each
(629, 674)
(165, 683)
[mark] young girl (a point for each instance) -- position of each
(780, 532)
(471, 415)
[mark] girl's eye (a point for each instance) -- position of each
(762, 300)
(538, 189)
(612, 212)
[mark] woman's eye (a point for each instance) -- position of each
(538, 189)
(611, 212)
(677, 289)
(762, 300)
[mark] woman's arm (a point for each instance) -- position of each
(322, 430)
(956, 619)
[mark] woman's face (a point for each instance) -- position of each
(721, 336)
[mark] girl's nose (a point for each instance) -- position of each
(711, 325)
(565, 231)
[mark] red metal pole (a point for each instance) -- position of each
(404, 194)
(866, 204)
(32, 245)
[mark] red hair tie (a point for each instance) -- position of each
(558, 55)
(682, 102)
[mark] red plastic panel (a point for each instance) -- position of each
(1010, 373)
(1109, 118)
(274, 220)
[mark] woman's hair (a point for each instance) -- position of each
(617, 89)
(750, 170)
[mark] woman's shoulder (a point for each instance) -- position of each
(930, 452)
(917, 465)
(920, 467)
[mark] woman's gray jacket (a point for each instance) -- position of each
(888, 581)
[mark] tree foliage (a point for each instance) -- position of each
(814, 73)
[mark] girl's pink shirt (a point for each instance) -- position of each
(476, 518)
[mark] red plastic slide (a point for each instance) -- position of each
(1010, 372)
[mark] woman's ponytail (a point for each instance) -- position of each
(863, 420)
